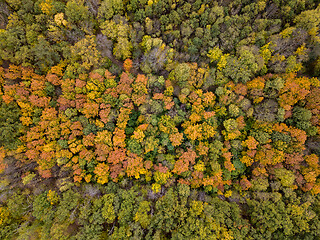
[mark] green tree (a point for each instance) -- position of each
(76, 11)
(10, 125)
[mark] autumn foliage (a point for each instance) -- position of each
(100, 126)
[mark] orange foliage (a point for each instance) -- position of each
(294, 90)
(124, 86)
(208, 99)
(257, 83)
(37, 85)
(102, 173)
(58, 69)
(45, 173)
(127, 65)
(90, 109)
(140, 90)
(196, 179)
(104, 115)
(54, 79)
(208, 115)
(78, 177)
(241, 122)
(182, 164)
(138, 99)
(118, 155)
(148, 164)
(116, 159)
(65, 103)
(9, 93)
(13, 72)
(312, 160)
(161, 168)
(7, 99)
(241, 89)
(246, 160)
(158, 96)
(300, 138)
(229, 166)
(255, 88)
(67, 87)
(250, 143)
(52, 127)
(116, 171)
(245, 183)
(134, 165)
(194, 117)
(27, 73)
(259, 171)
(49, 114)
(102, 151)
(88, 141)
(80, 83)
(39, 101)
(86, 154)
(208, 131)
(123, 117)
(203, 148)
(108, 75)
(96, 76)
(176, 139)
(313, 104)
(118, 137)
(193, 131)
(2, 156)
(227, 163)
(294, 159)
(168, 103)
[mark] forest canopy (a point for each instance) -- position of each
(159, 119)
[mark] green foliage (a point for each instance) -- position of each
(127, 206)
(230, 124)
(134, 146)
(301, 114)
(69, 201)
(286, 177)
(10, 126)
(76, 11)
(42, 209)
(45, 56)
(107, 210)
(181, 74)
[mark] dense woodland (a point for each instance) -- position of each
(159, 119)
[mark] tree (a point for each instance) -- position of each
(182, 164)
(86, 51)
(10, 126)
(45, 56)
(76, 11)
(102, 173)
